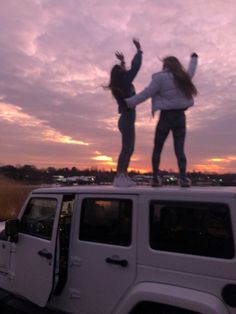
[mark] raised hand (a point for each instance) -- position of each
(119, 55)
(137, 43)
(194, 55)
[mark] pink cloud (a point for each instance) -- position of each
(56, 55)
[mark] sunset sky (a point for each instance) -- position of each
(55, 56)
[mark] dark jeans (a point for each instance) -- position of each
(170, 120)
(126, 126)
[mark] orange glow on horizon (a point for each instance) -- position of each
(216, 164)
(140, 170)
(218, 160)
(208, 168)
(103, 158)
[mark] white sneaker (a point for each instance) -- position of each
(122, 181)
(130, 180)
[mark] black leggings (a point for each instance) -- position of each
(126, 126)
(175, 121)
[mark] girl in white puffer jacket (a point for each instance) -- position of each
(172, 92)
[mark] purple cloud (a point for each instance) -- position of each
(56, 55)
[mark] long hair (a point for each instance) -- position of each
(181, 77)
(115, 84)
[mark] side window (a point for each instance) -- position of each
(38, 217)
(191, 228)
(106, 221)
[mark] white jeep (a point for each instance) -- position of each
(107, 250)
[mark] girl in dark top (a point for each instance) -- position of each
(121, 87)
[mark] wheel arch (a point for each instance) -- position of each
(179, 297)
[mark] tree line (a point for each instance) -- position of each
(30, 174)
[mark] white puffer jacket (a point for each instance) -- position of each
(163, 91)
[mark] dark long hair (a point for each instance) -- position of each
(115, 84)
(181, 77)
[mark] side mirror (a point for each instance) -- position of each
(12, 228)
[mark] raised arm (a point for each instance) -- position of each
(135, 64)
(192, 64)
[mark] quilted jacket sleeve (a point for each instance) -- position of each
(149, 91)
(192, 66)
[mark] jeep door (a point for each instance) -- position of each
(103, 265)
(32, 258)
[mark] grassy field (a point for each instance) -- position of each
(12, 197)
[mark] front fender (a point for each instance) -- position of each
(176, 296)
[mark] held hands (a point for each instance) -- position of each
(137, 43)
(129, 103)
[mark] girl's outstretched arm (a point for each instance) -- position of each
(149, 91)
(135, 64)
(192, 64)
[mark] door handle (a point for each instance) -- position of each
(116, 261)
(45, 253)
